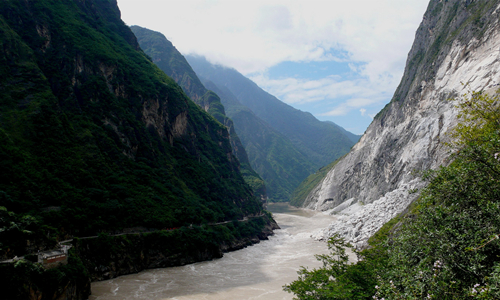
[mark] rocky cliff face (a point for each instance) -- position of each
(456, 49)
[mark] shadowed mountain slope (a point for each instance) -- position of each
(271, 154)
(322, 142)
(170, 61)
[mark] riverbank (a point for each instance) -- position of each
(256, 272)
(109, 256)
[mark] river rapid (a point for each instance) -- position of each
(256, 272)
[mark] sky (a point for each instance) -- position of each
(340, 60)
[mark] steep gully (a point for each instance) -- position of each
(371, 185)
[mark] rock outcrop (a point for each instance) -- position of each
(456, 50)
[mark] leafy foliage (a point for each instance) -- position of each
(337, 279)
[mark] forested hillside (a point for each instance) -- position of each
(95, 139)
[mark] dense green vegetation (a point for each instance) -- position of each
(165, 248)
(95, 138)
(447, 246)
(271, 154)
(171, 61)
(24, 279)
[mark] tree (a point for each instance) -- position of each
(337, 278)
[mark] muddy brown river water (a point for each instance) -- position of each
(256, 272)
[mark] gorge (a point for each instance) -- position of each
(110, 139)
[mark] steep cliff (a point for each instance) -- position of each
(94, 138)
(455, 50)
(169, 60)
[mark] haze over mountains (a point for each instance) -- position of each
(170, 61)
(284, 145)
(310, 143)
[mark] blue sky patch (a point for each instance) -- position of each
(310, 70)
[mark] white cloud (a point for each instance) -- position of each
(338, 111)
(372, 37)
(343, 95)
(363, 111)
(254, 35)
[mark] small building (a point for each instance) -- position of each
(53, 258)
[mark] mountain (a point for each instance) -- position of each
(271, 153)
(310, 144)
(97, 142)
(353, 137)
(443, 244)
(169, 60)
(455, 51)
(323, 142)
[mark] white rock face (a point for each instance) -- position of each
(357, 223)
(409, 136)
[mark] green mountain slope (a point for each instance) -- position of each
(271, 154)
(170, 61)
(307, 185)
(95, 139)
(322, 142)
(281, 153)
(92, 131)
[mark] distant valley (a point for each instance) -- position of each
(282, 144)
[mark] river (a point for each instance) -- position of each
(256, 272)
